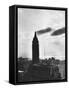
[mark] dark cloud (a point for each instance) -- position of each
(43, 31)
(59, 32)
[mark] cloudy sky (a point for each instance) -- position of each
(50, 27)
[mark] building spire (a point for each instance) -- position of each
(35, 34)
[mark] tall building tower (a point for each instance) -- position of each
(35, 50)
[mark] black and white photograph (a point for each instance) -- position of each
(34, 45)
(41, 45)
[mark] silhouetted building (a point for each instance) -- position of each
(35, 49)
(39, 71)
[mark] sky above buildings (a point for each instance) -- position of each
(31, 20)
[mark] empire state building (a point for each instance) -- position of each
(35, 50)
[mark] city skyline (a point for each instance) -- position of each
(30, 21)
